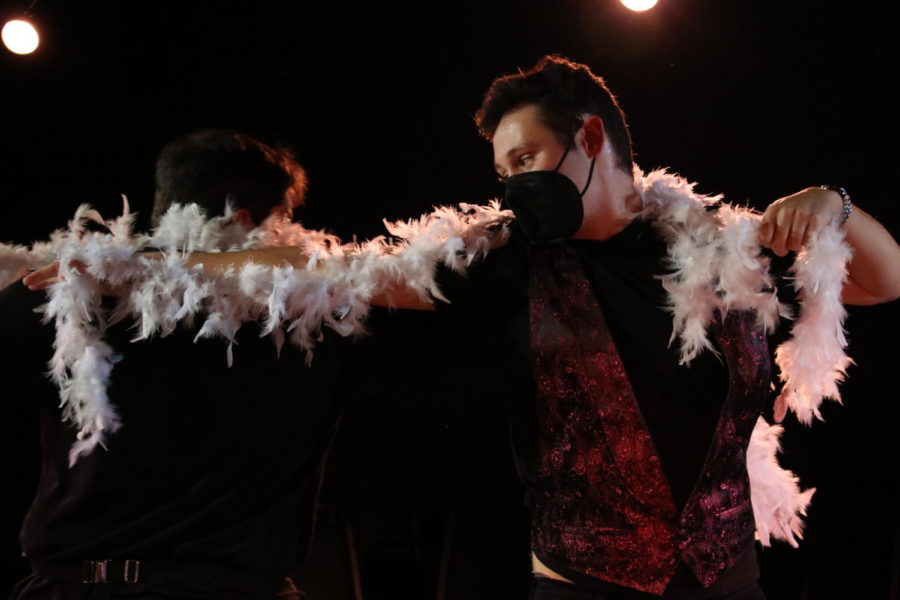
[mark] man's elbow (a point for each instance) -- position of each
(859, 295)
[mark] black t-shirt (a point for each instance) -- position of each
(680, 404)
(211, 464)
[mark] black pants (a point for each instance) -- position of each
(543, 588)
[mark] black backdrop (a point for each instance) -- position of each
(753, 99)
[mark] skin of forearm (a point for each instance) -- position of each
(217, 262)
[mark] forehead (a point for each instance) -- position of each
(521, 128)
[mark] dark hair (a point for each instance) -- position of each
(564, 93)
(213, 166)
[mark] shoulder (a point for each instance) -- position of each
(489, 277)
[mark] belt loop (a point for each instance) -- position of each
(94, 571)
(132, 571)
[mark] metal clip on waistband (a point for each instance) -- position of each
(147, 571)
(106, 571)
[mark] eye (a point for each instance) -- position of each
(525, 160)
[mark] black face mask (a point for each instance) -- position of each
(547, 204)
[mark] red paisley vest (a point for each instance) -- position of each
(602, 504)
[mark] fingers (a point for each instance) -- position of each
(766, 231)
(784, 230)
(797, 238)
(790, 222)
(45, 283)
(42, 278)
(47, 276)
(768, 225)
(783, 222)
(775, 229)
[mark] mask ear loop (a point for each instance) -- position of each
(590, 176)
(563, 158)
(590, 171)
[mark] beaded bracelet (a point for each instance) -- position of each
(847, 207)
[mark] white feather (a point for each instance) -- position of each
(778, 504)
(813, 362)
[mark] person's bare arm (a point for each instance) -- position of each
(874, 270)
(397, 296)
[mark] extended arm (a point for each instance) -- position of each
(216, 262)
(874, 271)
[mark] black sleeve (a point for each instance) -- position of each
(488, 284)
(26, 344)
(459, 289)
(25, 347)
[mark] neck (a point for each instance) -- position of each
(611, 203)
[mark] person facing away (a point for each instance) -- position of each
(208, 488)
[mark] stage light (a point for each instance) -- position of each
(20, 36)
(639, 5)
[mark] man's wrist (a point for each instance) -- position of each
(846, 204)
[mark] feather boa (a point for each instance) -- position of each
(333, 289)
(715, 266)
(714, 259)
(778, 504)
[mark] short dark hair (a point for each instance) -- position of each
(215, 166)
(564, 92)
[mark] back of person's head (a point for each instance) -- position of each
(212, 167)
(564, 93)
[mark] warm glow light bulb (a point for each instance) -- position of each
(639, 5)
(20, 36)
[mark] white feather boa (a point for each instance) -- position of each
(716, 266)
(715, 261)
(333, 289)
(778, 504)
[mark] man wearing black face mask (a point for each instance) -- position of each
(637, 484)
(547, 205)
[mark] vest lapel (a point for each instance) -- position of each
(570, 338)
(602, 498)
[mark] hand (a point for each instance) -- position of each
(790, 222)
(46, 276)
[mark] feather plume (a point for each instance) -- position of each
(813, 361)
(332, 290)
(778, 504)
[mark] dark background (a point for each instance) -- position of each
(753, 99)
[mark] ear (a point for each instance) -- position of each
(593, 135)
(242, 216)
